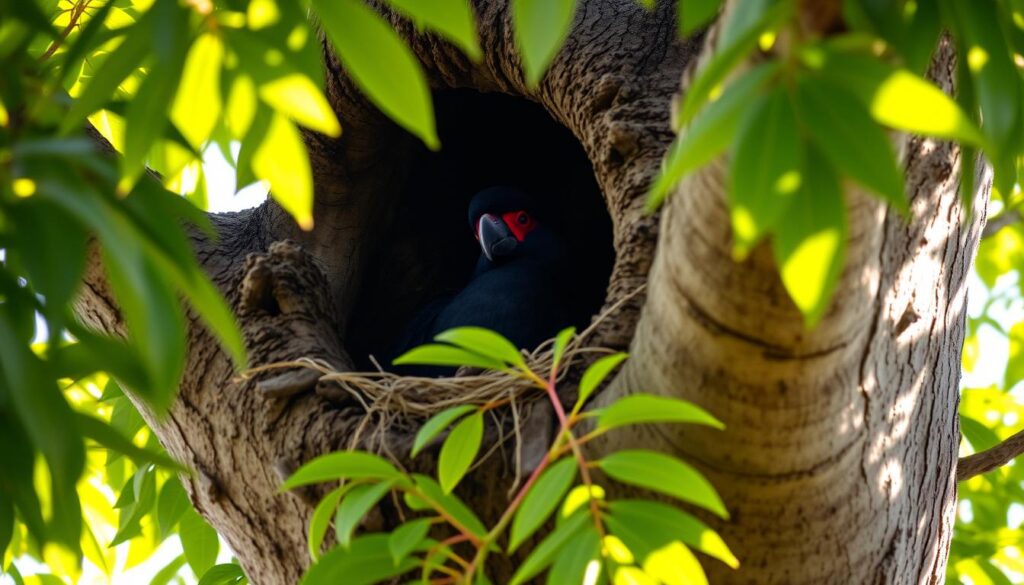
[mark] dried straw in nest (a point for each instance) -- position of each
(394, 402)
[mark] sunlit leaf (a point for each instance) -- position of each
(296, 96)
(197, 106)
(281, 160)
(122, 62)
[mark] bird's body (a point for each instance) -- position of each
(519, 288)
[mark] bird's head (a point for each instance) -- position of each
(508, 223)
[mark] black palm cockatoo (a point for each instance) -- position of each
(520, 285)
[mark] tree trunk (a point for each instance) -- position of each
(839, 456)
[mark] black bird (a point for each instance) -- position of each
(520, 285)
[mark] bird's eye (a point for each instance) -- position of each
(522, 218)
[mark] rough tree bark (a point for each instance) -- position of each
(839, 459)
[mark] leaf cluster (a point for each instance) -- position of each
(592, 538)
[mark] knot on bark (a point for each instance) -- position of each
(286, 313)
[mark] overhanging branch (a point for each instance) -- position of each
(989, 459)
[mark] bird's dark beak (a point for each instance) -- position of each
(495, 238)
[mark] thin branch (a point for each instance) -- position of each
(1000, 221)
(989, 459)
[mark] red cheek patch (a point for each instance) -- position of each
(520, 223)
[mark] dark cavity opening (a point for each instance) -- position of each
(428, 250)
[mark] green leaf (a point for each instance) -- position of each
(342, 465)
(226, 574)
(561, 342)
(436, 424)
(844, 131)
(733, 48)
(135, 501)
(996, 79)
(570, 566)
(281, 160)
(694, 14)
(436, 354)
(595, 374)
(355, 505)
(978, 434)
(104, 434)
(663, 474)
(407, 537)
(485, 342)
(766, 170)
(459, 450)
(1015, 362)
(199, 541)
(645, 408)
(380, 63)
(453, 19)
(553, 544)
(710, 133)
(125, 59)
(86, 42)
(54, 268)
(367, 561)
(6, 524)
(171, 505)
(47, 419)
(321, 519)
(450, 503)
(168, 572)
(17, 467)
(646, 526)
(147, 112)
(810, 249)
(541, 500)
(541, 26)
